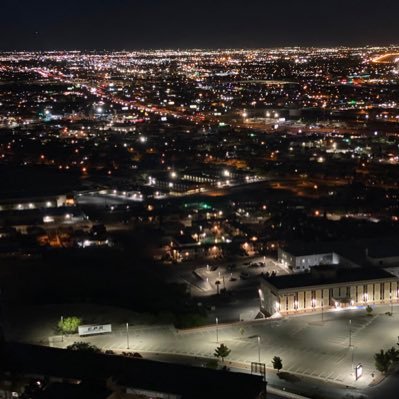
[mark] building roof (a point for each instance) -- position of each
(189, 382)
(328, 275)
(353, 250)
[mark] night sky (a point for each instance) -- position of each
(133, 24)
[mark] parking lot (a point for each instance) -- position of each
(308, 346)
(241, 273)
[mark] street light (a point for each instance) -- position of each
(217, 330)
(390, 299)
(258, 349)
(261, 299)
(62, 328)
(350, 333)
(127, 336)
(322, 310)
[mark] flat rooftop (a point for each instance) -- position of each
(328, 275)
(353, 250)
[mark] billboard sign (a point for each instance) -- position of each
(95, 329)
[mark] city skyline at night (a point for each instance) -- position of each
(199, 200)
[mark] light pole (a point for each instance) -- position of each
(350, 333)
(127, 336)
(390, 299)
(260, 293)
(322, 310)
(217, 330)
(62, 328)
(258, 349)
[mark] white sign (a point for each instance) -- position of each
(358, 371)
(93, 330)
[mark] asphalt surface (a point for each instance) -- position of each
(317, 359)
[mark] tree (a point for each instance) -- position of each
(385, 359)
(222, 351)
(277, 363)
(84, 346)
(369, 310)
(382, 361)
(393, 355)
(69, 325)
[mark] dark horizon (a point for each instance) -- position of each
(138, 49)
(120, 24)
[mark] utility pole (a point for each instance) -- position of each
(217, 330)
(258, 349)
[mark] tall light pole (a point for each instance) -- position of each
(127, 336)
(258, 349)
(260, 293)
(62, 328)
(350, 333)
(390, 299)
(217, 330)
(322, 310)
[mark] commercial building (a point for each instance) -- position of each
(301, 257)
(325, 287)
(300, 261)
(39, 202)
